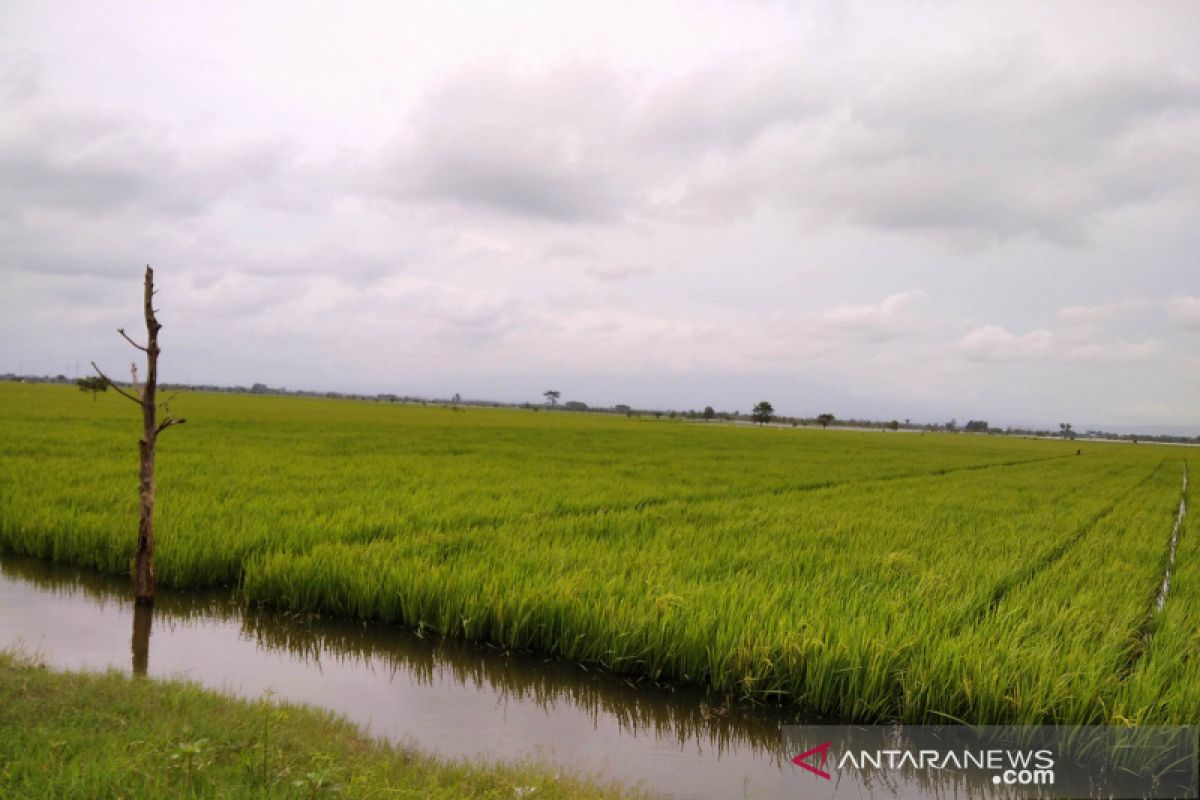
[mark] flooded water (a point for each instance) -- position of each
(447, 697)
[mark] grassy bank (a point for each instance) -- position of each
(865, 575)
(73, 735)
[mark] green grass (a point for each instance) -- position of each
(865, 575)
(73, 735)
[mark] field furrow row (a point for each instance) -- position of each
(860, 574)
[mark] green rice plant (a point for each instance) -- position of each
(1165, 683)
(1057, 647)
(861, 574)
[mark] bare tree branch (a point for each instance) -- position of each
(131, 341)
(168, 420)
(118, 389)
(166, 423)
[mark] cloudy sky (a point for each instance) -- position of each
(923, 210)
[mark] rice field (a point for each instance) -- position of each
(868, 576)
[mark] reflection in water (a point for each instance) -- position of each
(143, 618)
(681, 714)
(448, 696)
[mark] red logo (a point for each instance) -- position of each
(802, 760)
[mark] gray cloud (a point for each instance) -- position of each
(1012, 145)
(540, 146)
(102, 164)
(651, 205)
(729, 103)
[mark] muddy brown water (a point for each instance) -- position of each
(451, 698)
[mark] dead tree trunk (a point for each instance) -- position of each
(146, 397)
(143, 620)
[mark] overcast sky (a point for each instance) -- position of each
(923, 210)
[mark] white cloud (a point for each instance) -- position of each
(1116, 352)
(992, 342)
(1102, 312)
(995, 343)
(1185, 309)
(895, 315)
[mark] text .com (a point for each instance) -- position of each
(1025, 777)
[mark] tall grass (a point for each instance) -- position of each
(865, 575)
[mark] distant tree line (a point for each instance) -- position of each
(707, 414)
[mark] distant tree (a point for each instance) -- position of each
(762, 412)
(1064, 429)
(658, 415)
(93, 385)
(621, 408)
(259, 388)
(976, 426)
(672, 415)
(709, 413)
(552, 396)
(825, 419)
(456, 399)
(574, 405)
(952, 425)
(894, 424)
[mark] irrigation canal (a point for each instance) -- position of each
(452, 698)
(448, 697)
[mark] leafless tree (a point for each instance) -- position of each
(145, 396)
